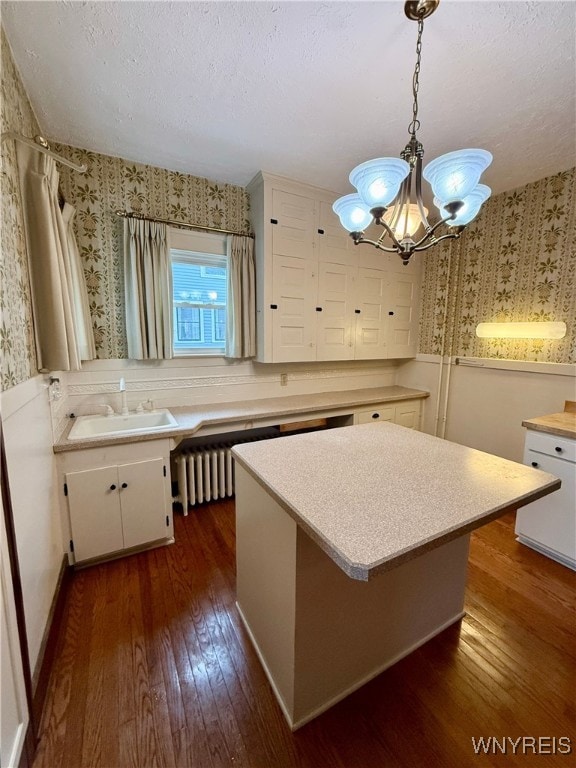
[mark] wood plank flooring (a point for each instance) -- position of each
(154, 668)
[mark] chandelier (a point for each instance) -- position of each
(387, 186)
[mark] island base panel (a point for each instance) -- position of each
(320, 634)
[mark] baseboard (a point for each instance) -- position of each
(47, 652)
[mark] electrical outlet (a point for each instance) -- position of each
(283, 379)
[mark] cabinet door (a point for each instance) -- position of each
(403, 303)
(408, 414)
(334, 243)
(371, 322)
(293, 232)
(335, 312)
(94, 504)
(551, 521)
(294, 288)
(143, 502)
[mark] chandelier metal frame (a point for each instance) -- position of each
(391, 217)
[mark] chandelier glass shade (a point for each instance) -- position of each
(389, 189)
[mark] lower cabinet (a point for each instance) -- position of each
(549, 524)
(116, 505)
(407, 413)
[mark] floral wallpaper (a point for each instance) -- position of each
(17, 348)
(111, 183)
(515, 262)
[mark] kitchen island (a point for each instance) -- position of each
(352, 549)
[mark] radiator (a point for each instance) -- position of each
(204, 475)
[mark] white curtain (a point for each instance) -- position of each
(59, 298)
(148, 286)
(80, 304)
(241, 301)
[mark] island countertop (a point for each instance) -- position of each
(373, 496)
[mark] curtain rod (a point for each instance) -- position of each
(169, 222)
(40, 144)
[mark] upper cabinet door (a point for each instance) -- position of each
(334, 243)
(335, 312)
(293, 312)
(293, 218)
(404, 303)
(372, 319)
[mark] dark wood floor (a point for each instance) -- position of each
(155, 669)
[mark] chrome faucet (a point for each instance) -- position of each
(124, 410)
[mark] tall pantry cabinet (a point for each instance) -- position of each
(318, 296)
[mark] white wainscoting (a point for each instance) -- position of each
(27, 427)
(482, 402)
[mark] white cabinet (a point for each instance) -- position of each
(117, 498)
(407, 413)
(318, 296)
(549, 524)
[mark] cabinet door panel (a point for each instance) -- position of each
(293, 235)
(94, 512)
(143, 502)
(334, 322)
(334, 243)
(551, 521)
(371, 323)
(294, 321)
(408, 415)
(404, 303)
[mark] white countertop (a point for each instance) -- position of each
(192, 418)
(375, 495)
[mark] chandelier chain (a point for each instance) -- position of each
(415, 124)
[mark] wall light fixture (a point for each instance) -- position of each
(536, 330)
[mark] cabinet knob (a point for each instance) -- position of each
(320, 231)
(112, 487)
(375, 415)
(558, 449)
(273, 221)
(357, 311)
(390, 313)
(318, 309)
(273, 306)
(534, 463)
(124, 485)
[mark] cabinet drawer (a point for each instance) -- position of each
(378, 413)
(560, 447)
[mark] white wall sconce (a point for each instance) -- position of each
(537, 330)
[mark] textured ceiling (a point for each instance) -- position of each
(303, 89)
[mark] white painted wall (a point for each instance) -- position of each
(31, 471)
(488, 400)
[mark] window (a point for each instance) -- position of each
(199, 286)
(189, 327)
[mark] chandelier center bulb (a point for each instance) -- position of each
(420, 9)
